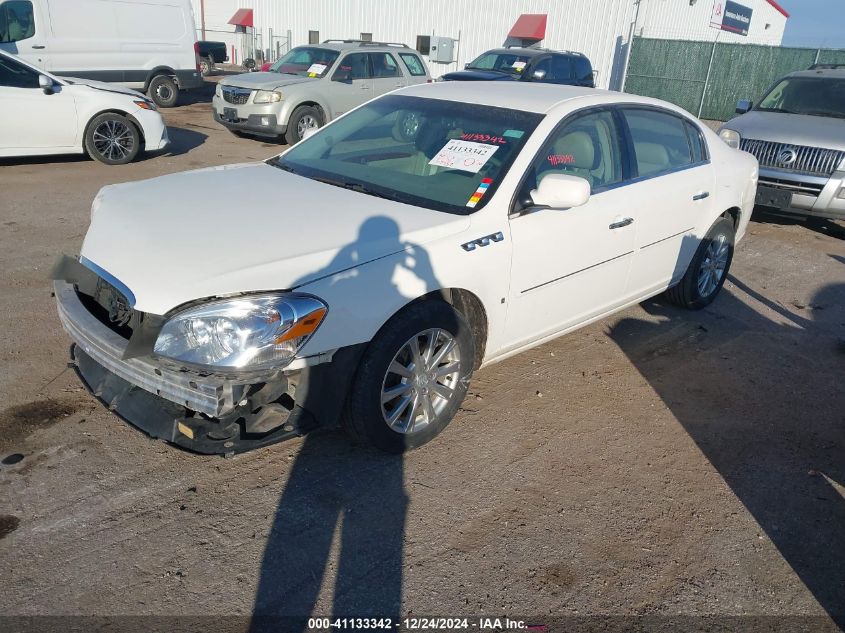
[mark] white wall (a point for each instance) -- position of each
(597, 28)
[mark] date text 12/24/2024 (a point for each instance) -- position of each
(423, 624)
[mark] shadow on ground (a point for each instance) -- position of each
(762, 397)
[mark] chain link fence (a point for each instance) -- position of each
(707, 78)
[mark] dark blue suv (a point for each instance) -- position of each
(528, 64)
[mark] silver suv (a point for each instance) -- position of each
(797, 133)
(311, 85)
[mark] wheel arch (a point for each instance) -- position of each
(122, 113)
(310, 103)
(470, 307)
(734, 214)
(159, 70)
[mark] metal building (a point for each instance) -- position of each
(601, 29)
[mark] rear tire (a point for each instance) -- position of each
(303, 118)
(206, 66)
(397, 403)
(708, 269)
(112, 139)
(163, 91)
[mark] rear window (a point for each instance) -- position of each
(583, 69)
(413, 64)
(17, 21)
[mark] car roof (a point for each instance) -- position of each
(345, 45)
(832, 73)
(531, 52)
(517, 95)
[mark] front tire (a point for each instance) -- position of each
(708, 269)
(302, 119)
(412, 378)
(206, 66)
(112, 139)
(163, 91)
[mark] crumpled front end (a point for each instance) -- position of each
(206, 413)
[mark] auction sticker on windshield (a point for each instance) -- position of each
(316, 69)
(464, 155)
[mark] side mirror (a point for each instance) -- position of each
(561, 191)
(342, 76)
(538, 75)
(46, 84)
(743, 106)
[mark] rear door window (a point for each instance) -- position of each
(384, 65)
(661, 141)
(561, 69)
(413, 64)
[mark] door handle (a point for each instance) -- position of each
(38, 46)
(365, 87)
(620, 223)
(701, 196)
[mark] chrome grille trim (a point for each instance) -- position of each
(237, 96)
(808, 160)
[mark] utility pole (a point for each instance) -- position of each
(202, 17)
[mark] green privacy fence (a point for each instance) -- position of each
(707, 79)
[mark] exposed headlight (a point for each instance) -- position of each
(252, 332)
(731, 137)
(218, 90)
(267, 96)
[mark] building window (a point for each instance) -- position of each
(313, 37)
(423, 44)
(366, 37)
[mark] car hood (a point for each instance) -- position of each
(99, 85)
(478, 75)
(264, 81)
(796, 129)
(243, 228)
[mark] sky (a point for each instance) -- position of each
(814, 23)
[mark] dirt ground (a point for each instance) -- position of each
(659, 463)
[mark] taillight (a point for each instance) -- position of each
(197, 55)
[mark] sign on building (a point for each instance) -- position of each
(731, 16)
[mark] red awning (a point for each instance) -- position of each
(242, 17)
(529, 26)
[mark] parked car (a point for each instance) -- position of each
(528, 64)
(311, 85)
(149, 45)
(43, 114)
(366, 273)
(797, 133)
(211, 53)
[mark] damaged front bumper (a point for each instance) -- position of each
(203, 413)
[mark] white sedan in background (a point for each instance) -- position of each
(363, 275)
(41, 114)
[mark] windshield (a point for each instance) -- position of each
(306, 61)
(509, 63)
(441, 155)
(815, 96)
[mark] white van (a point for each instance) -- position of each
(149, 45)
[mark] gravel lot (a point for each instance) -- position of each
(658, 463)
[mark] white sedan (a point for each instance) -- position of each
(363, 275)
(42, 114)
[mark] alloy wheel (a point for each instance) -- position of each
(113, 139)
(713, 266)
(421, 381)
(308, 122)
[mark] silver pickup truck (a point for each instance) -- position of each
(797, 133)
(311, 85)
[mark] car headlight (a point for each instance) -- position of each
(250, 332)
(218, 90)
(267, 96)
(731, 137)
